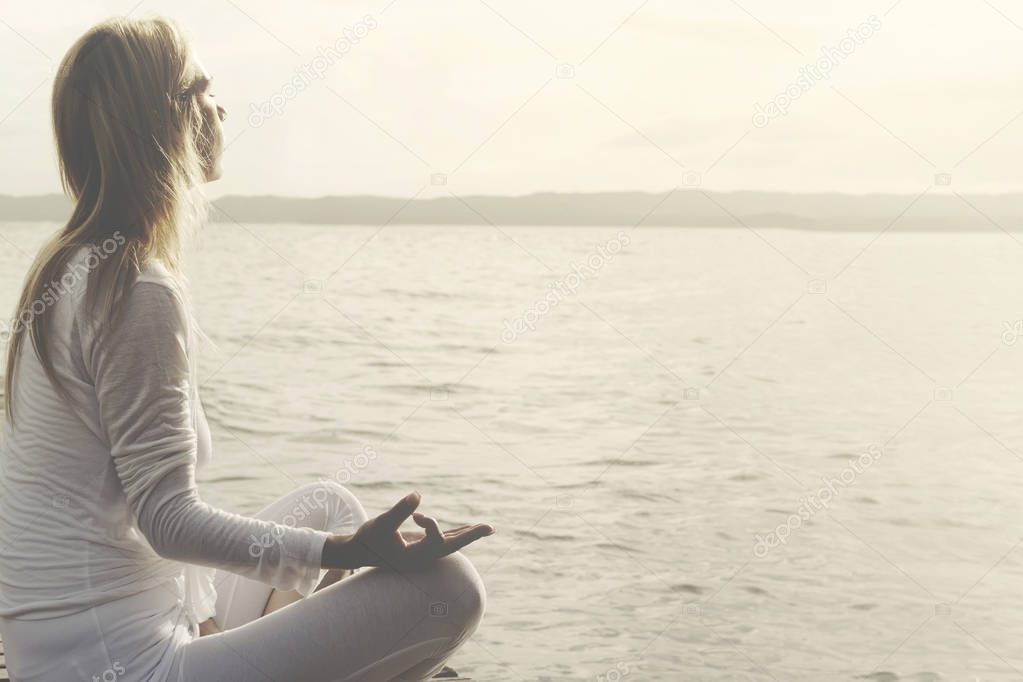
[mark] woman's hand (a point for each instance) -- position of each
(378, 542)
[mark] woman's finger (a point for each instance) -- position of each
(412, 535)
(396, 515)
(430, 525)
(460, 540)
(462, 529)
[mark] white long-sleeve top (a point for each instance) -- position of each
(98, 497)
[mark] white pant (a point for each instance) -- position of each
(374, 625)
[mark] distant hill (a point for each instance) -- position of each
(937, 210)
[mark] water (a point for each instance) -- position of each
(691, 393)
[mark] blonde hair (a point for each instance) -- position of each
(133, 148)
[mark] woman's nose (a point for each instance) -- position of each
(221, 112)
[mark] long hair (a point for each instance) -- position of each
(133, 149)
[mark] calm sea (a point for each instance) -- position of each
(709, 454)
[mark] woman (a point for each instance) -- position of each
(111, 566)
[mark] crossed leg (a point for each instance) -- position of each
(375, 625)
(323, 505)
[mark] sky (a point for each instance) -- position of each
(514, 97)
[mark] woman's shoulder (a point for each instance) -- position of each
(154, 294)
(157, 272)
(158, 291)
(156, 279)
(154, 271)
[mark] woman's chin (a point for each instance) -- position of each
(214, 174)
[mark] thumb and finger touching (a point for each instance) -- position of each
(437, 543)
(430, 525)
(396, 515)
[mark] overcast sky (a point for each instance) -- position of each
(510, 97)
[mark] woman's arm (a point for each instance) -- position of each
(144, 389)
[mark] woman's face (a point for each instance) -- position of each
(213, 116)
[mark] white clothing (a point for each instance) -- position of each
(96, 496)
(105, 544)
(376, 625)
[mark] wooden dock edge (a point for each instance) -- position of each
(5, 678)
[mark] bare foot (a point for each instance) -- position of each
(208, 627)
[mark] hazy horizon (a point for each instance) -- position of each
(930, 210)
(517, 98)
